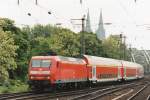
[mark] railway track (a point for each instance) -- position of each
(87, 93)
(104, 92)
(141, 93)
(43, 95)
(148, 98)
(17, 95)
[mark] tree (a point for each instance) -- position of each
(7, 54)
(114, 48)
(21, 39)
(93, 46)
(45, 30)
(63, 43)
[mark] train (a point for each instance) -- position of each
(60, 71)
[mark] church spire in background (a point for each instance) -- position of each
(100, 32)
(88, 23)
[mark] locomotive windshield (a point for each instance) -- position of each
(41, 63)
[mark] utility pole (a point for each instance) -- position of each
(131, 54)
(18, 2)
(36, 2)
(82, 38)
(122, 46)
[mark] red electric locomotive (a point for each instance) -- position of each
(56, 71)
(67, 71)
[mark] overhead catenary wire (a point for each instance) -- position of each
(29, 13)
(52, 12)
(36, 2)
(128, 14)
(145, 26)
(26, 10)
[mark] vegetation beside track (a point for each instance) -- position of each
(14, 86)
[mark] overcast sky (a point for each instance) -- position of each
(126, 16)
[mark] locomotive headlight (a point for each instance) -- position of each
(45, 72)
(31, 77)
(33, 72)
(48, 77)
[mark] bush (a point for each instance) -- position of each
(14, 86)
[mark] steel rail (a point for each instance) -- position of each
(70, 93)
(138, 92)
(82, 96)
(5, 96)
(111, 91)
(56, 95)
(62, 94)
(102, 92)
(39, 95)
(148, 98)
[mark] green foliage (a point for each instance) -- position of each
(39, 46)
(14, 87)
(63, 43)
(114, 48)
(45, 31)
(21, 39)
(93, 46)
(7, 54)
(23, 52)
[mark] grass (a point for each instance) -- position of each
(14, 87)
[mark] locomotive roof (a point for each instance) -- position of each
(41, 57)
(93, 60)
(60, 58)
(71, 59)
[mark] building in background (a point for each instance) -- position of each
(100, 32)
(88, 23)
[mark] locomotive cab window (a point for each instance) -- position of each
(41, 63)
(45, 63)
(36, 63)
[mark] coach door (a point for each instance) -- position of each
(94, 73)
(119, 72)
